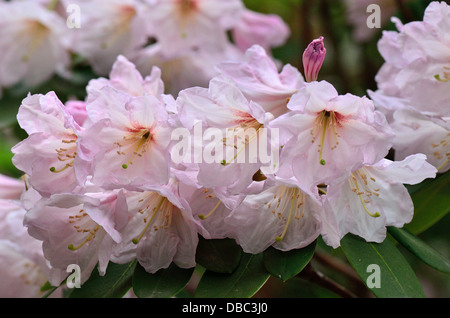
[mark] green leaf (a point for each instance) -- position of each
(431, 202)
(46, 287)
(396, 277)
(244, 282)
(285, 265)
(220, 256)
(115, 283)
(165, 283)
(302, 288)
(420, 249)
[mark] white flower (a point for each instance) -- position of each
(372, 198)
(180, 25)
(23, 268)
(108, 28)
(33, 43)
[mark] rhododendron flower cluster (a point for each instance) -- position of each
(106, 188)
(268, 155)
(413, 85)
(42, 34)
(23, 267)
(185, 38)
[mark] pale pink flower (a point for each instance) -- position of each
(211, 206)
(127, 141)
(33, 43)
(282, 215)
(259, 79)
(417, 133)
(180, 25)
(23, 268)
(212, 209)
(12, 229)
(231, 158)
(266, 30)
(126, 78)
(11, 188)
(78, 229)
(49, 154)
(107, 29)
(326, 135)
(417, 62)
(413, 85)
(21, 277)
(161, 229)
(372, 198)
(186, 68)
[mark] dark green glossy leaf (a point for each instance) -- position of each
(420, 249)
(396, 277)
(244, 282)
(285, 265)
(302, 288)
(431, 202)
(220, 256)
(164, 283)
(115, 283)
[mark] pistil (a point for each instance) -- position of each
(326, 127)
(163, 208)
(359, 183)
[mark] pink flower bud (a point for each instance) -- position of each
(313, 58)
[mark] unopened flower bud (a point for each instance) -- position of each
(313, 58)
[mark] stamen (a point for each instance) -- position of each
(442, 150)
(89, 238)
(24, 178)
(204, 217)
(444, 163)
(161, 201)
(446, 75)
(287, 199)
(293, 201)
(367, 191)
(141, 147)
(326, 120)
(53, 169)
(65, 154)
(82, 227)
(322, 141)
(240, 134)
